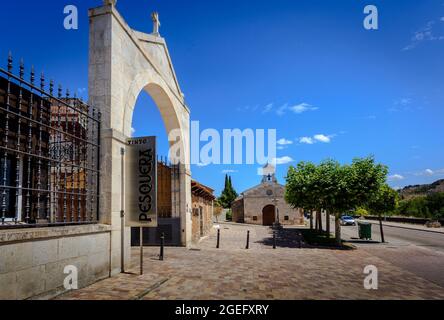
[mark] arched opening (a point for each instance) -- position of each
(268, 215)
(170, 115)
(151, 116)
(147, 121)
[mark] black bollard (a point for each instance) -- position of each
(162, 245)
(274, 239)
(248, 240)
(218, 239)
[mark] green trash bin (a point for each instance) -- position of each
(365, 230)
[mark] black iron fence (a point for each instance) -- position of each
(49, 153)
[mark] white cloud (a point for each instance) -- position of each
(283, 160)
(424, 34)
(429, 172)
(284, 142)
(396, 177)
(248, 108)
(323, 138)
(133, 132)
(267, 108)
(303, 107)
(442, 19)
(306, 140)
(282, 110)
(403, 104)
(200, 164)
(404, 101)
(229, 171)
(297, 109)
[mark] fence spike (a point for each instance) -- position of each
(32, 75)
(51, 87)
(42, 81)
(22, 69)
(10, 62)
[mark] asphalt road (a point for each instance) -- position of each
(399, 237)
(417, 251)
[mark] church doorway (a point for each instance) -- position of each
(268, 215)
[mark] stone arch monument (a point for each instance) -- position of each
(122, 63)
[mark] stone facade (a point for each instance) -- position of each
(122, 63)
(202, 218)
(257, 205)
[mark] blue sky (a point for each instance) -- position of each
(306, 68)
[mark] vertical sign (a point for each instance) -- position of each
(141, 182)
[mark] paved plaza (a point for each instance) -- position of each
(293, 271)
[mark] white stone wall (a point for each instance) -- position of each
(32, 262)
(256, 199)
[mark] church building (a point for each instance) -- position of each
(265, 203)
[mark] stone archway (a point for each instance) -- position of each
(122, 63)
(268, 215)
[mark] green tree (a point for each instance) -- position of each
(327, 180)
(358, 183)
(301, 188)
(383, 201)
(228, 195)
(435, 205)
(429, 207)
(333, 187)
(362, 212)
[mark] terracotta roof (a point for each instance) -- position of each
(201, 190)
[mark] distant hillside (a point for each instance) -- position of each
(422, 190)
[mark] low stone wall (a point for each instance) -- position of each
(32, 261)
(419, 221)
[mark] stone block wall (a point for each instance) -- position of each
(207, 213)
(32, 261)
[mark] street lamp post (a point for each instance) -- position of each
(277, 223)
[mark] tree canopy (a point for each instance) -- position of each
(228, 195)
(334, 187)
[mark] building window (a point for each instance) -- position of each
(287, 218)
(255, 218)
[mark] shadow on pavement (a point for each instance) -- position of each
(285, 238)
(294, 238)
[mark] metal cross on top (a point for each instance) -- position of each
(109, 2)
(156, 23)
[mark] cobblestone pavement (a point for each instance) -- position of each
(231, 272)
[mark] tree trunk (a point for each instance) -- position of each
(320, 221)
(381, 229)
(316, 221)
(327, 223)
(338, 231)
(311, 220)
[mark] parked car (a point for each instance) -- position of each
(348, 221)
